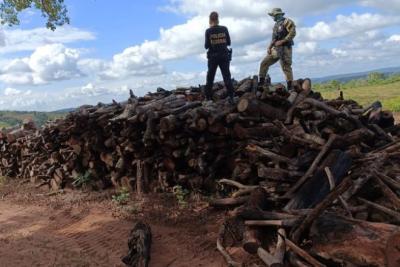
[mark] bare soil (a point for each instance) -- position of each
(75, 228)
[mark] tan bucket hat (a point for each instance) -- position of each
(276, 11)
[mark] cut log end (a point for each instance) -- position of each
(243, 105)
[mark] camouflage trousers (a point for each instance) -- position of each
(285, 58)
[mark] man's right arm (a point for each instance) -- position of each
(272, 44)
(228, 37)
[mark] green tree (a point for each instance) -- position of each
(334, 84)
(375, 76)
(55, 11)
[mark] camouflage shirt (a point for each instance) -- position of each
(284, 30)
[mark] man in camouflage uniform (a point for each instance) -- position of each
(280, 48)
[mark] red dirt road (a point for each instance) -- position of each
(77, 229)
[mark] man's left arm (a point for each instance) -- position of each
(291, 28)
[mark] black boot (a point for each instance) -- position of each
(261, 82)
(208, 93)
(268, 81)
(289, 85)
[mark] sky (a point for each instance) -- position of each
(111, 47)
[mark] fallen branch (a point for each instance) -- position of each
(228, 202)
(344, 186)
(388, 193)
(222, 250)
(332, 185)
(388, 211)
(243, 189)
(312, 168)
(302, 253)
(282, 223)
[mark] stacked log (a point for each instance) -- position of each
(285, 162)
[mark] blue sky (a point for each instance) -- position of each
(113, 46)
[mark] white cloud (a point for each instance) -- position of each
(94, 90)
(16, 99)
(2, 38)
(11, 91)
(137, 60)
(392, 6)
(244, 8)
(146, 59)
(394, 38)
(252, 8)
(47, 63)
(179, 42)
(336, 52)
(54, 62)
(347, 26)
(92, 66)
(24, 78)
(306, 47)
(15, 40)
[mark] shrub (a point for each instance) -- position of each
(180, 195)
(122, 197)
(82, 180)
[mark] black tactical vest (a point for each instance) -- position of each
(280, 32)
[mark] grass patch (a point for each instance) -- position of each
(122, 196)
(181, 195)
(3, 180)
(392, 104)
(14, 118)
(388, 94)
(82, 180)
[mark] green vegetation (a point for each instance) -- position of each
(3, 180)
(181, 195)
(54, 11)
(122, 197)
(82, 180)
(15, 118)
(375, 87)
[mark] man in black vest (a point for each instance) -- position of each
(280, 48)
(218, 54)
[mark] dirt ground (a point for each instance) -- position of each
(87, 229)
(397, 117)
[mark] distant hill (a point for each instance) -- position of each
(355, 76)
(14, 118)
(63, 111)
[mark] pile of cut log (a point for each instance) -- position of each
(307, 180)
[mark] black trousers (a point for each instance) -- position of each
(223, 63)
